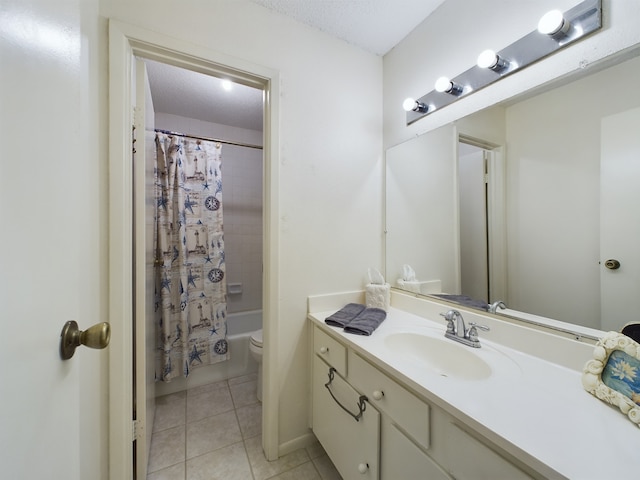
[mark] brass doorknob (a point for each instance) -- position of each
(612, 264)
(97, 336)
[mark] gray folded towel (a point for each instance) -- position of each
(366, 322)
(343, 316)
(464, 300)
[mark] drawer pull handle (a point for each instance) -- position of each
(361, 405)
(363, 467)
(378, 394)
(324, 349)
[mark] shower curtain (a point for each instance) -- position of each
(190, 278)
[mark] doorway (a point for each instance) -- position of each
(200, 112)
(482, 229)
(125, 43)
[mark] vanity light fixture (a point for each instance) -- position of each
(554, 24)
(555, 30)
(491, 60)
(445, 85)
(412, 105)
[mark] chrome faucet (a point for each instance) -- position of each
(493, 308)
(458, 331)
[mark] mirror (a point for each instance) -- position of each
(562, 166)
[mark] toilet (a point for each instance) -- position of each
(255, 347)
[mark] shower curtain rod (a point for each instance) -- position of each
(226, 142)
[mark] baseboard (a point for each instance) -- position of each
(302, 441)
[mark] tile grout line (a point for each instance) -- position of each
(185, 424)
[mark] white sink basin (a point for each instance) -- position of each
(441, 356)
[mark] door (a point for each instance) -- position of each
(352, 444)
(143, 401)
(619, 224)
(51, 413)
(474, 253)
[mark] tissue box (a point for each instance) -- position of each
(424, 287)
(409, 285)
(378, 295)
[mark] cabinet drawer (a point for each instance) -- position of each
(405, 409)
(352, 445)
(330, 350)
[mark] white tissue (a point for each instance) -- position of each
(408, 273)
(375, 277)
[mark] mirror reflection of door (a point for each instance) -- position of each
(619, 220)
(474, 252)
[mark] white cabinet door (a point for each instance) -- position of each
(352, 445)
(401, 458)
(469, 459)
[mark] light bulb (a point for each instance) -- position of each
(227, 85)
(444, 85)
(412, 105)
(490, 59)
(409, 104)
(553, 23)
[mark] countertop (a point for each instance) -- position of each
(534, 409)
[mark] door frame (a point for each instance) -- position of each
(126, 42)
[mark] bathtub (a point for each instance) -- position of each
(239, 328)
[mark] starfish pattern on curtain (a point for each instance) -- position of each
(190, 279)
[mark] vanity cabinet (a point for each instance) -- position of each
(351, 444)
(389, 440)
(399, 435)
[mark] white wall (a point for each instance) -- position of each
(553, 194)
(449, 41)
(330, 152)
(242, 204)
(421, 178)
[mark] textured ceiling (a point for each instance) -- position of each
(194, 95)
(373, 25)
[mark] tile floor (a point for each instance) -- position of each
(213, 432)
